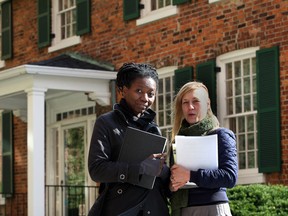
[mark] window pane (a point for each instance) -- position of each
(254, 102)
(229, 71)
(229, 88)
(160, 101)
(247, 85)
(246, 67)
(160, 3)
(238, 87)
(232, 124)
(161, 118)
(241, 142)
(251, 160)
(251, 142)
(247, 103)
(237, 69)
(242, 161)
(238, 104)
(230, 106)
(153, 4)
(241, 124)
(160, 90)
(250, 123)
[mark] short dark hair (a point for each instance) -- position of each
(131, 71)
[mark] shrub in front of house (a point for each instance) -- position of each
(258, 199)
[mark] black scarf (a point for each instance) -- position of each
(144, 122)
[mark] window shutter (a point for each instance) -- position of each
(83, 16)
(44, 37)
(268, 110)
(206, 73)
(131, 9)
(6, 40)
(181, 77)
(7, 153)
(178, 2)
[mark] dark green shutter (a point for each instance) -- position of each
(131, 9)
(268, 110)
(182, 76)
(6, 40)
(206, 73)
(7, 153)
(178, 2)
(83, 16)
(44, 36)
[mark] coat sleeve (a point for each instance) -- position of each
(227, 173)
(103, 153)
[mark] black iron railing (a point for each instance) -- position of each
(61, 200)
(69, 200)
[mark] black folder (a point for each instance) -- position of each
(139, 145)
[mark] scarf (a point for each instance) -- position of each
(144, 122)
(179, 199)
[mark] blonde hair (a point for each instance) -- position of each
(177, 114)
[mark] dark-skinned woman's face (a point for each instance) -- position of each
(141, 94)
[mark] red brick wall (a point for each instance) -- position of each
(20, 155)
(199, 32)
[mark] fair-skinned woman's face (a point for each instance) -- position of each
(141, 95)
(195, 105)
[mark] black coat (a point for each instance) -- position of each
(120, 195)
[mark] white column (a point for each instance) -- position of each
(36, 146)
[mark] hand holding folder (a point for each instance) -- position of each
(138, 146)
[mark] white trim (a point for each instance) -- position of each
(213, 1)
(166, 71)
(245, 176)
(157, 15)
(220, 61)
(56, 71)
(250, 176)
(68, 42)
(2, 64)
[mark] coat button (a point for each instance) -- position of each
(122, 176)
(120, 191)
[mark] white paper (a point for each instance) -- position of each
(197, 152)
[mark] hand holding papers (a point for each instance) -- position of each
(196, 152)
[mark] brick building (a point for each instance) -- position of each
(59, 63)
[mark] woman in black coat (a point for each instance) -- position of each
(119, 194)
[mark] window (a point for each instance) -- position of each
(237, 108)
(155, 10)
(164, 100)
(64, 24)
(67, 18)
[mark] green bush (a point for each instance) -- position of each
(258, 199)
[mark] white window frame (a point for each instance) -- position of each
(57, 42)
(147, 16)
(163, 73)
(212, 1)
(2, 63)
(246, 176)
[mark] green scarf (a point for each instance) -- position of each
(179, 199)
